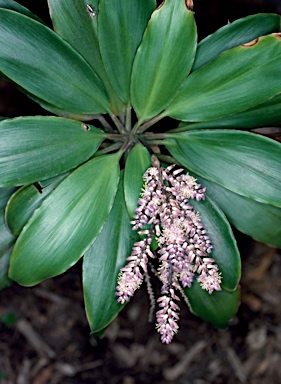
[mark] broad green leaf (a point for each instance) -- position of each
(260, 221)
(58, 111)
(218, 308)
(137, 163)
(241, 31)
(5, 194)
(6, 237)
(36, 148)
(62, 229)
(14, 6)
(238, 79)
(121, 26)
(24, 202)
(163, 59)
(225, 251)
(102, 263)
(37, 59)
(74, 23)
(4, 266)
(243, 162)
(265, 114)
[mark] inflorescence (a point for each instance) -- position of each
(164, 214)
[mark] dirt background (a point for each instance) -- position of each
(44, 335)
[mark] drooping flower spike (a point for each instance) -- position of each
(184, 247)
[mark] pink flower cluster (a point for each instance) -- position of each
(164, 213)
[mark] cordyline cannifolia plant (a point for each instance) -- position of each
(151, 158)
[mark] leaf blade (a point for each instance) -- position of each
(218, 308)
(37, 148)
(121, 26)
(73, 22)
(260, 221)
(23, 203)
(137, 163)
(225, 251)
(160, 67)
(62, 229)
(56, 73)
(265, 114)
(102, 263)
(251, 163)
(229, 83)
(240, 31)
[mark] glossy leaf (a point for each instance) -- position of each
(163, 59)
(6, 237)
(4, 266)
(102, 263)
(265, 114)
(14, 6)
(137, 163)
(67, 223)
(218, 308)
(36, 148)
(24, 202)
(225, 251)
(121, 26)
(55, 73)
(243, 162)
(235, 81)
(241, 31)
(5, 194)
(74, 23)
(260, 221)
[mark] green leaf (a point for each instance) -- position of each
(36, 148)
(163, 59)
(239, 32)
(5, 194)
(225, 251)
(24, 202)
(218, 308)
(121, 26)
(14, 6)
(4, 266)
(37, 59)
(265, 114)
(102, 263)
(235, 81)
(67, 223)
(260, 221)
(72, 21)
(6, 237)
(137, 163)
(243, 162)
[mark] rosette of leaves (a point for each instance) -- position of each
(122, 79)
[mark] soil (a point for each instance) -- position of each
(45, 337)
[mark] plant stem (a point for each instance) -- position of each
(143, 127)
(108, 149)
(153, 136)
(104, 123)
(118, 124)
(167, 159)
(128, 123)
